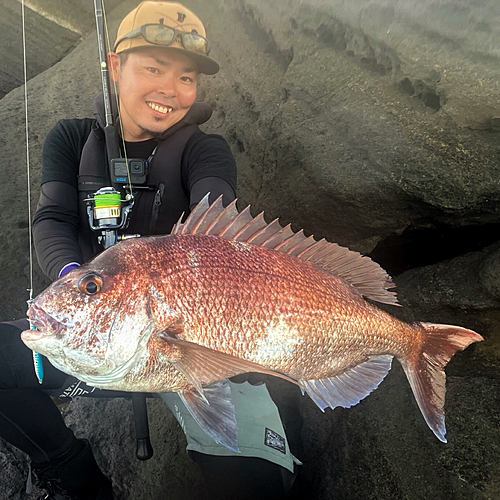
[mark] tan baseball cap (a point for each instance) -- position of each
(160, 16)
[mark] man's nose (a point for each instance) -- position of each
(167, 85)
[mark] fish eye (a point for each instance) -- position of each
(90, 284)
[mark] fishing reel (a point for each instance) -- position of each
(109, 213)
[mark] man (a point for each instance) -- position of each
(159, 52)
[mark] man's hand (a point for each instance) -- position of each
(67, 268)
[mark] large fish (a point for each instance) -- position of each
(226, 294)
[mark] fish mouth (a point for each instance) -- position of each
(42, 325)
(48, 335)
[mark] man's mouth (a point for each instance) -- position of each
(164, 110)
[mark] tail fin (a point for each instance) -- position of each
(426, 372)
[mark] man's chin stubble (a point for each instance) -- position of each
(154, 133)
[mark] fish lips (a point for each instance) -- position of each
(44, 325)
(47, 338)
(49, 331)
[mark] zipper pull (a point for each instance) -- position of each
(156, 208)
(158, 196)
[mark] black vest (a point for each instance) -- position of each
(155, 209)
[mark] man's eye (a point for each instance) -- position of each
(187, 79)
(153, 70)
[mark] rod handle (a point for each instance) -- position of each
(144, 450)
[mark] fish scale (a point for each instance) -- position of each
(260, 281)
(226, 294)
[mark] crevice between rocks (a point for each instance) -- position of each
(417, 247)
(332, 32)
(373, 56)
(264, 38)
(426, 92)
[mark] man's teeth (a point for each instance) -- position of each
(159, 108)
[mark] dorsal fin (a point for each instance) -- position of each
(358, 270)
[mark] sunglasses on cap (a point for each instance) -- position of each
(159, 34)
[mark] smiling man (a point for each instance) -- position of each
(160, 50)
(157, 90)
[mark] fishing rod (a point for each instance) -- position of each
(37, 358)
(109, 208)
(108, 211)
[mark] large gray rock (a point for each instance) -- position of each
(323, 136)
(375, 124)
(51, 29)
(356, 130)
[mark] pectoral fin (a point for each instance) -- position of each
(209, 403)
(203, 366)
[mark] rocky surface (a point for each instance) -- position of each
(170, 474)
(52, 28)
(374, 124)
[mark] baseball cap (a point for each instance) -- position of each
(150, 24)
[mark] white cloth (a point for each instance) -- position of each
(260, 431)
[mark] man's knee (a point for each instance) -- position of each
(244, 478)
(16, 361)
(11, 351)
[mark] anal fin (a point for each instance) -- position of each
(351, 386)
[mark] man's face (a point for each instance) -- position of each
(157, 88)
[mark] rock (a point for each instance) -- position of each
(358, 134)
(52, 29)
(489, 273)
(382, 448)
(170, 472)
(331, 121)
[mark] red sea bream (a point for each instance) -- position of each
(225, 294)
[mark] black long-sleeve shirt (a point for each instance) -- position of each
(207, 165)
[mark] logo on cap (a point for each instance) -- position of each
(181, 17)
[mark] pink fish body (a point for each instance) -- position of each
(227, 294)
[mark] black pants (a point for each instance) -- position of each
(31, 421)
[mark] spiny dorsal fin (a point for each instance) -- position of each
(358, 270)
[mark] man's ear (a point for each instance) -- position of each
(114, 66)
